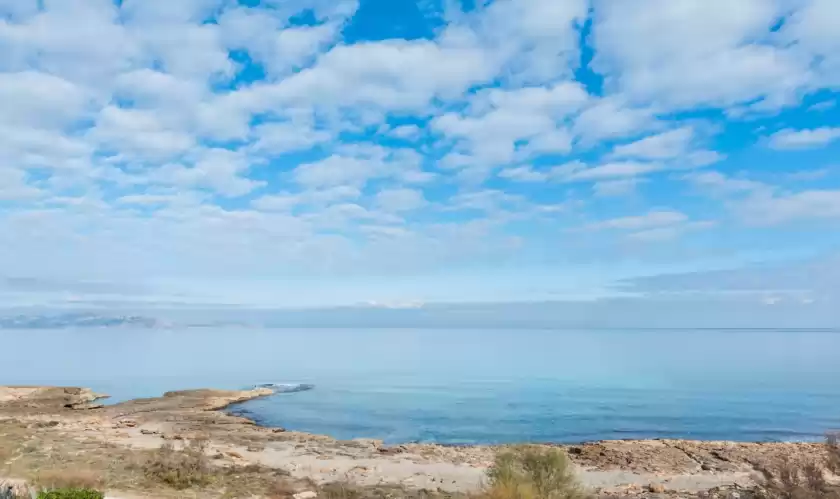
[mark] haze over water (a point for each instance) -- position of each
(469, 386)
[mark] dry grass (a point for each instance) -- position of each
(344, 490)
(281, 489)
(179, 469)
(791, 480)
(69, 479)
(531, 472)
(832, 443)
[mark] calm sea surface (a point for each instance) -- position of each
(469, 386)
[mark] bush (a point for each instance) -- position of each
(532, 472)
(71, 494)
(179, 469)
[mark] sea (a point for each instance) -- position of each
(468, 386)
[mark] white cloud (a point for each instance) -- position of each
(718, 183)
(14, 187)
(650, 220)
(217, 169)
(813, 29)
(310, 198)
(804, 139)
(392, 75)
(696, 52)
(774, 209)
(612, 118)
(523, 174)
(279, 138)
(407, 132)
(38, 99)
(400, 200)
(666, 145)
(271, 42)
(536, 40)
(676, 145)
(142, 134)
(660, 234)
(654, 226)
(609, 170)
(613, 188)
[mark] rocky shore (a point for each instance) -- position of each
(72, 421)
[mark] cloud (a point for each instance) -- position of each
(696, 53)
(610, 188)
(523, 174)
(209, 141)
(578, 172)
(500, 120)
(654, 226)
(773, 209)
(804, 139)
(400, 200)
(813, 277)
(718, 183)
(650, 220)
(611, 118)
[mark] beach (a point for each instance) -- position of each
(74, 422)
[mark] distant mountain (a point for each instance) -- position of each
(78, 320)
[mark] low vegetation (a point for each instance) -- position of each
(833, 449)
(71, 494)
(532, 472)
(796, 480)
(180, 469)
(64, 479)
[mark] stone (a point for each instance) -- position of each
(656, 488)
(307, 494)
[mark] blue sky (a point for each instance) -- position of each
(303, 153)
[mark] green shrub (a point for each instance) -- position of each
(71, 494)
(532, 472)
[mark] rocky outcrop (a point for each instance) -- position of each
(188, 401)
(46, 400)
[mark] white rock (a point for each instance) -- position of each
(308, 494)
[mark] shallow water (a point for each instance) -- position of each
(469, 386)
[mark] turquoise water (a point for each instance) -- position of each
(468, 386)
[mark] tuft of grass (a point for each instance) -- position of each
(533, 472)
(179, 469)
(71, 494)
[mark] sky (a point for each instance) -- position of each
(399, 153)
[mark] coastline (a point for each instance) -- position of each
(67, 415)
